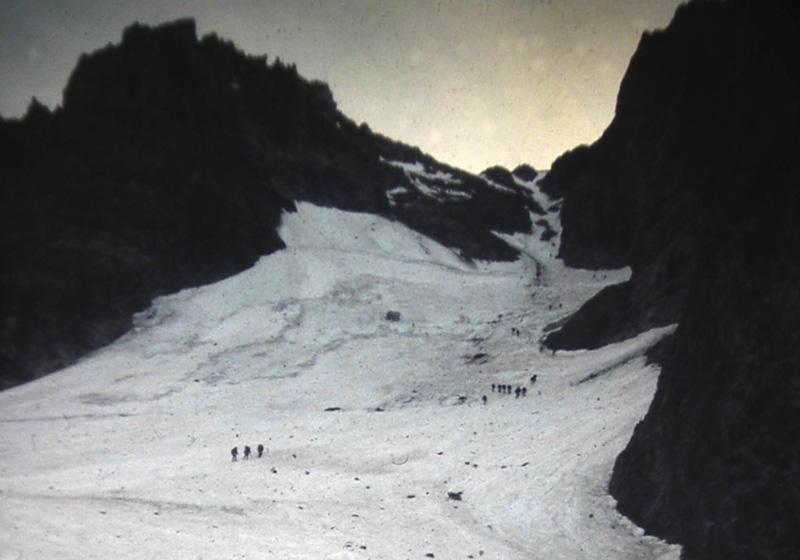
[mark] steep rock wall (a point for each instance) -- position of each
(695, 185)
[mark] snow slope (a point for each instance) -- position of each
(371, 426)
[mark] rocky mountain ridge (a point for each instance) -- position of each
(169, 166)
(696, 186)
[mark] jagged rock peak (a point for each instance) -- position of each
(36, 111)
(503, 176)
(498, 174)
(179, 31)
(153, 63)
(525, 172)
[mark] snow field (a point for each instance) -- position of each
(368, 424)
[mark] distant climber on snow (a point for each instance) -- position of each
(260, 450)
(234, 454)
(246, 452)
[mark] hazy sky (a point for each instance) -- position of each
(473, 83)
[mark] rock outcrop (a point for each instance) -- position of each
(169, 166)
(696, 186)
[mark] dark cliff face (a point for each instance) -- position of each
(696, 185)
(169, 166)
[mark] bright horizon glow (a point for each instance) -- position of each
(472, 85)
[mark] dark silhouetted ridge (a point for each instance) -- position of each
(169, 166)
(696, 186)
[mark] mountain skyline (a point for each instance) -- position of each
(176, 158)
(471, 84)
(193, 149)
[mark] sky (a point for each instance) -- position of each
(473, 83)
